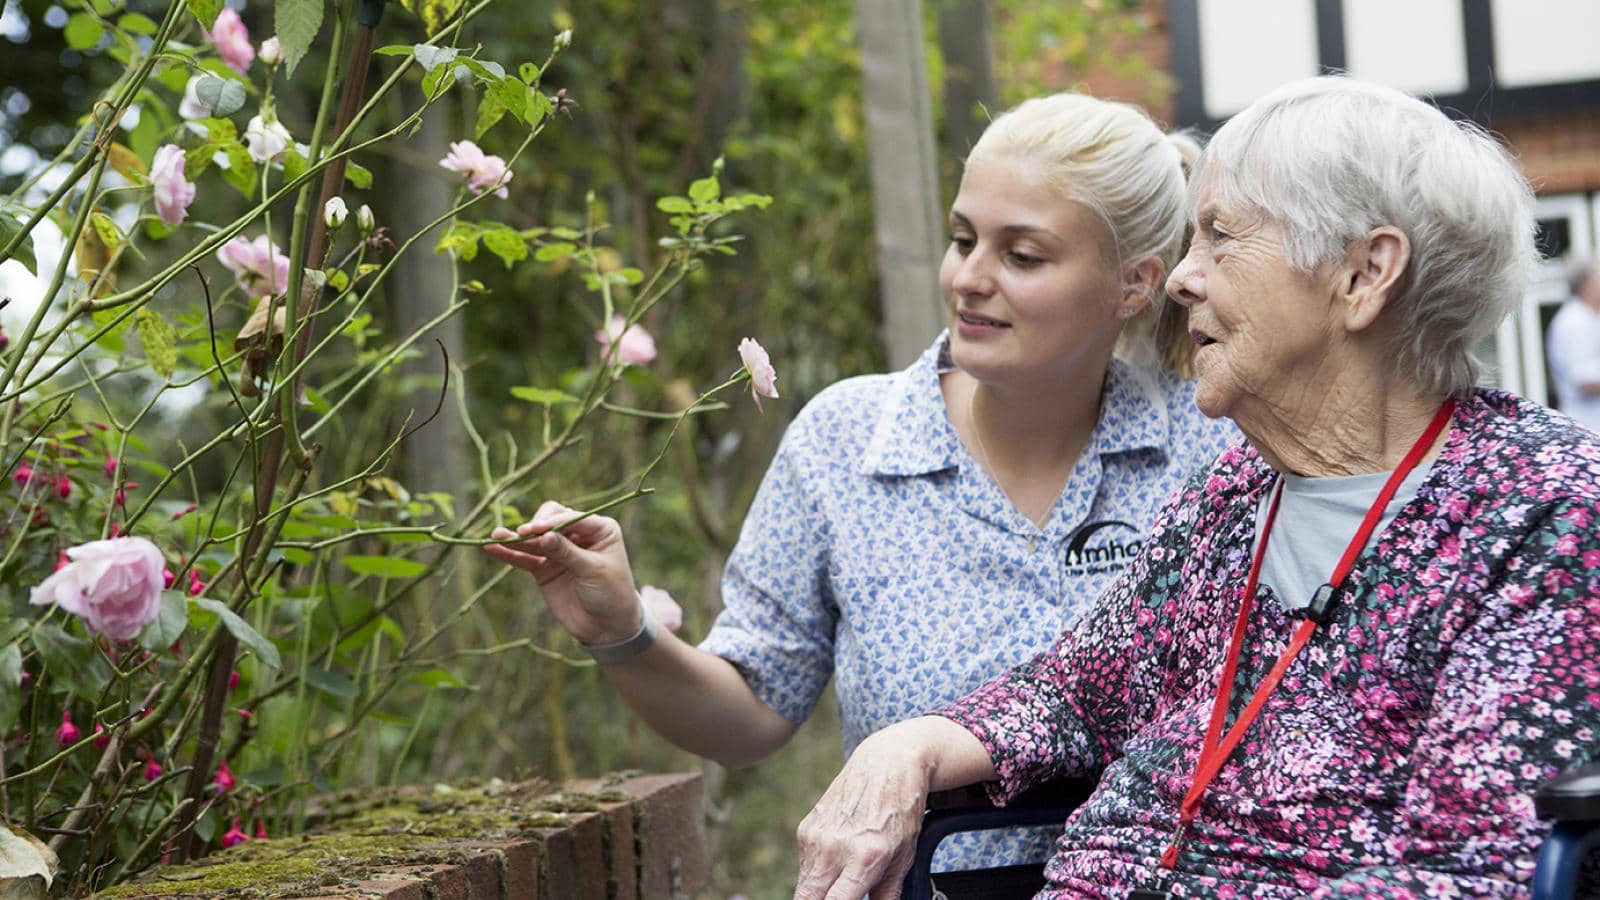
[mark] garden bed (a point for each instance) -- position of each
(623, 837)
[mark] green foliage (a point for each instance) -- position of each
(297, 24)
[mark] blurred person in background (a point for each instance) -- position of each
(1573, 345)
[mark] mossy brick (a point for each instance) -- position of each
(574, 860)
(669, 834)
(622, 881)
(480, 864)
(391, 890)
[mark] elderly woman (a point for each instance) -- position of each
(1349, 651)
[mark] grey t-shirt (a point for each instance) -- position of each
(1316, 519)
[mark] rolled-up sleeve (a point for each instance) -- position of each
(779, 619)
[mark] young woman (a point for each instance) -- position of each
(922, 531)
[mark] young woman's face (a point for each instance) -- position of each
(1028, 284)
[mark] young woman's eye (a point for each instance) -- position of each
(962, 243)
(1025, 260)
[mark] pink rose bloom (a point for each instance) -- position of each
(257, 265)
(174, 193)
(113, 585)
(266, 141)
(666, 611)
(483, 172)
(271, 51)
(233, 41)
(635, 346)
(763, 378)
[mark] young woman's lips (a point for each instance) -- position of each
(975, 324)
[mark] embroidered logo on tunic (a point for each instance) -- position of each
(1100, 547)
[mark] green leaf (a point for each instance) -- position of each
(461, 238)
(553, 252)
(83, 31)
(10, 684)
(338, 280)
(71, 660)
(431, 57)
(394, 50)
(439, 678)
(505, 243)
(631, 276)
(385, 566)
(542, 396)
(513, 95)
(169, 624)
(220, 131)
(159, 341)
(24, 252)
(106, 230)
(331, 683)
(674, 205)
(224, 96)
(294, 164)
(241, 171)
(359, 176)
(206, 11)
(437, 82)
(138, 24)
(297, 22)
(529, 72)
(490, 111)
(241, 629)
(704, 190)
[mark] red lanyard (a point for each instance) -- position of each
(1214, 754)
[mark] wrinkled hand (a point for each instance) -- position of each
(582, 571)
(859, 840)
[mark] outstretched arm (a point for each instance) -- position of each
(694, 699)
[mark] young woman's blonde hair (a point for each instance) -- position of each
(1113, 159)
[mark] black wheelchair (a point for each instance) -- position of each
(1571, 801)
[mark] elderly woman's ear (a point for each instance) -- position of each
(1141, 282)
(1373, 276)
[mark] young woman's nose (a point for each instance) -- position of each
(973, 276)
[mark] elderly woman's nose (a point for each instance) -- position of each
(1187, 284)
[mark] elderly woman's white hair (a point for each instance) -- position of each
(1329, 159)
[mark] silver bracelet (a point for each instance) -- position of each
(626, 649)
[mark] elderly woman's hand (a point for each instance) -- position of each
(859, 839)
(582, 571)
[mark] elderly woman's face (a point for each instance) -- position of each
(1265, 330)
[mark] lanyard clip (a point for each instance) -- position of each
(1320, 609)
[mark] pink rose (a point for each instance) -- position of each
(233, 41)
(257, 265)
(271, 51)
(666, 611)
(483, 172)
(763, 378)
(113, 585)
(173, 192)
(634, 348)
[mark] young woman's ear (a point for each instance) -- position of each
(1141, 280)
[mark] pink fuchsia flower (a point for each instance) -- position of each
(63, 486)
(224, 780)
(22, 474)
(113, 585)
(152, 769)
(257, 266)
(271, 51)
(266, 140)
(196, 586)
(261, 830)
(484, 172)
(763, 378)
(635, 346)
(111, 461)
(665, 610)
(173, 192)
(191, 106)
(68, 732)
(233, 41)
(233, 680)
(101, 739)
(235, 835)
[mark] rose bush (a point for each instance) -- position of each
(215, 585)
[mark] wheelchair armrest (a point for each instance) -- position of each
(968, 809)
(1573, 801)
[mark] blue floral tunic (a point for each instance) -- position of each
(878, 550)
(1460, 669)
